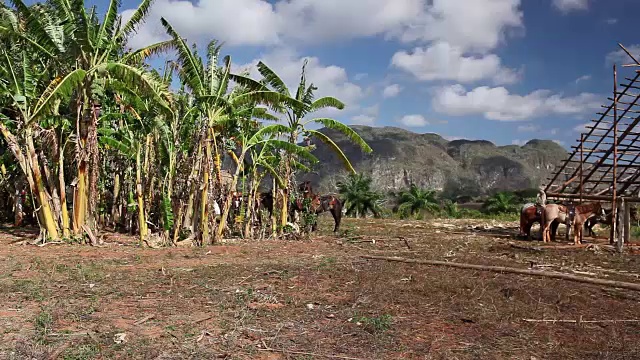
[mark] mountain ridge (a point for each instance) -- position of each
(458, 167)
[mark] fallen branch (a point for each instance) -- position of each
(503, 269)
(579, 321)
(308, 354)
(144, 319)
(202, 319)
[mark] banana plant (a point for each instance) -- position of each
(296, 108)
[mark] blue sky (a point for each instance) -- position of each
(502, 70)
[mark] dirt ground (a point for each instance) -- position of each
(317, 298)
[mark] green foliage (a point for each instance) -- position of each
(377, 324)
(358, 196)
(96, 113)
(415, 201)
(450, 209)
(500, 203)
(43, 325)
(167, 213)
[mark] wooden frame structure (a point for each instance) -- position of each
(605, 165)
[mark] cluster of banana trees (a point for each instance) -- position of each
(98, 139)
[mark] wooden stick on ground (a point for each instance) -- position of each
(309, 354)
(503, 269)
(580, 321)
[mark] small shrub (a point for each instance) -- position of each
(376, 324)
(43, 324)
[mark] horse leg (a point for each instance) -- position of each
(527, 230)
(551, 231)
(523, 224)
(336, 211)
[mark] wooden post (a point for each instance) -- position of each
(627, 225)
(581, 166)
(619, 221)
(615, 155)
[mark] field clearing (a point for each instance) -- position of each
(318, 298)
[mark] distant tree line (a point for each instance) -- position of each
(362, 199)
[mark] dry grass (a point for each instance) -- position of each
(303, 298)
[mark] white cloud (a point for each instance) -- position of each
(368, 116)
(528, 128)
(478, 25)
(441, 61)
(559, 142)
(498, 104)
(620, 57)
(452, 138)
(391, 91)
(360, 76)
(518, 142)
(363, 120)
(252, 22)
(472, 25)
(330, 80)
(566, 6)
(414, 120)
(585, 128)
(611, 21)
(554, 131)
(583, 78)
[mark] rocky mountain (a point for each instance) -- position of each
(460, 167)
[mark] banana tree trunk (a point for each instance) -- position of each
(251, 210)
(192, 184)
(80, 199)
(55, 199)
(12, 141)
(177, 226)
(204, 196)
(115, 207)
(227, 200)
(274, 194)
(142, 224)
(63, 195)
(40, 191)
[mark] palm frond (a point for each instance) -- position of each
(268, 130)
(143, 80)
(60, 87)
(325, 102)
(136, 19)
(293, 149)
(346, 130)
(105, 34)
(273, 79)
(248, 82)
(335, 148)
(191, 72)
(141, 55)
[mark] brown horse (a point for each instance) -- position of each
(531, 214)
(592, 221)
(319, 204)
(560, 213)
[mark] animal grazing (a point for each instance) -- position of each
(319, 204)
(561, 213)
(531, 214)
